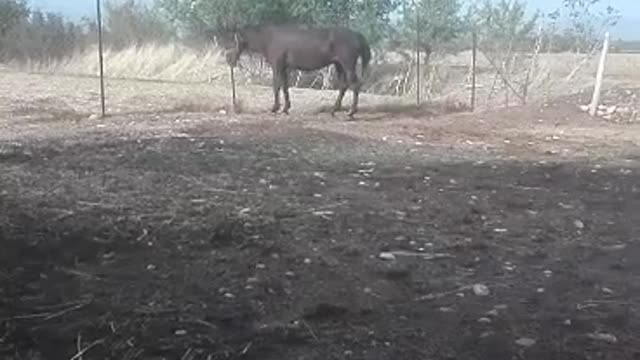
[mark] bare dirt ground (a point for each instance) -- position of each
(173, 231)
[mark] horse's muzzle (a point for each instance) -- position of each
(232, 58)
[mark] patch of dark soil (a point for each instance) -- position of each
(230, 248)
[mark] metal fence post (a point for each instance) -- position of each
(474, 53)
(100, 57)
(595, 100)
(417, 8)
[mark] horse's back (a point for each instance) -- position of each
(311, 33)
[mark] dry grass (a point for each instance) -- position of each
(447, 77)
(169, 62)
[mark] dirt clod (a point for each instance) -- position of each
(481, 290)
(526, 342)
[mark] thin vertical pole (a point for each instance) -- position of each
(595, 101)
(474, 53)
(417, 53)
(233, 89)
(100, 57)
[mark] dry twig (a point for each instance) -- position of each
(79, 355)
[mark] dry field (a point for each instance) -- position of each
(448, 77)
(175, 229)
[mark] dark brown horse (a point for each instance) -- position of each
(298, 47)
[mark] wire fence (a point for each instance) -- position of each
(478, 69)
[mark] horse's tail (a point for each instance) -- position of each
(365, 55)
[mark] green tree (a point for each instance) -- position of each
(439, 23)
(586, 23)
(192, 18)
(502, 25)
(12, 12)
(130, 22)
(372, 18)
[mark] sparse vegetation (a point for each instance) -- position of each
(167, 42)
(179, 227)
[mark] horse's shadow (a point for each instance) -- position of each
(381, 112)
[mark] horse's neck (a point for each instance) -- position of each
(257, 40)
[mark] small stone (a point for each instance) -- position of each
(151, 267)
(612, 339)
(261, 266)
(493, 312)
(525, 342)
(222, 112)
(446, 310)
(387, 256)
(486, 334)
(484, 320)
(94, 117)
(481, 290)
(252, 280)
(548, 273)
(540, 290)
(348, 353)
(567, 322)
(229, 296)
(617, 247)
(180, 332)
(307, 261)
(578, 224)
(607, 291)
(428, 297)
(289, 274)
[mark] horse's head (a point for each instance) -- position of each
(240, 44)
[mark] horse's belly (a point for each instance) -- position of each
(308, 60)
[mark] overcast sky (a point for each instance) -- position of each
(629, 27)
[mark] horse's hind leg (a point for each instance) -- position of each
(277, 84)
(285, 90)
(343, 86)
(276, 93)
(355, 85)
